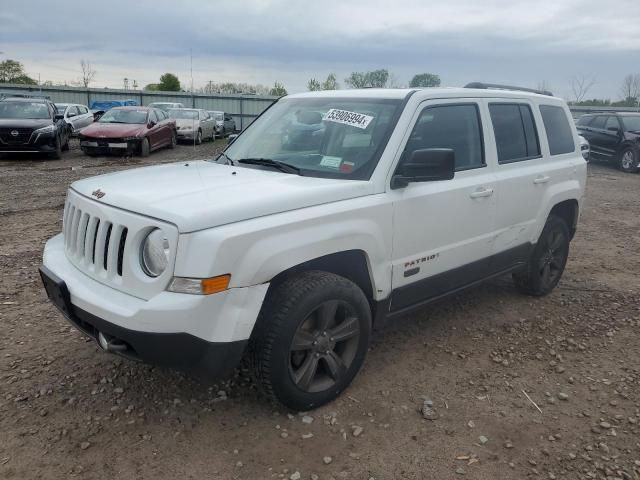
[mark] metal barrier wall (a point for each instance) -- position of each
(243, 108)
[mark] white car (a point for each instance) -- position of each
(291, 253)
(193, 124)
(76, 116)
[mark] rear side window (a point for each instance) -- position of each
(558, 129)
(585, 120)
(598, 122)
(515, 132)
(450, 126)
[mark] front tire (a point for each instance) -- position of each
(174, 140)
(199, 138)
(144, 148)
(311, 339)
(628, 160)
(57, 154)
(547, 262)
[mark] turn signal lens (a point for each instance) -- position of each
(200, 286)
(215, 284)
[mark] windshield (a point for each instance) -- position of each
(124, 116)
(183, 114)
(24, 110)
(631, 124)
(323, 137)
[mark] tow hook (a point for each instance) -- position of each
(111, 344)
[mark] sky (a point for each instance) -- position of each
(262, 41)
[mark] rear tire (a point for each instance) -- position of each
(548, 259)
(310, 339)
(628, 160)
(144, 148)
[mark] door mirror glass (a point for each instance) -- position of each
(426, 165)
(59, 116)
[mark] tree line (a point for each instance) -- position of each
(12, 71)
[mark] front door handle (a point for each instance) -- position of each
(482, 192)
(541, 179)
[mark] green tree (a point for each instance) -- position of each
(151, 87)
(374, 79)
(313, 85)
(169, 83)
(278, 90)
(12, 71)
(331, 83)
(425, 80)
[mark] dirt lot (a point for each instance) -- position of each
(67, 410)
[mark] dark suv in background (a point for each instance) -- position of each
(32, 124)
(614, 137)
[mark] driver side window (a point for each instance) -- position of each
(456, 127)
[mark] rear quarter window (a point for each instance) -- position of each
(559, 133)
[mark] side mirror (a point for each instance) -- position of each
(151, 124)
(232, 138)
(426, 165)
(59, 116)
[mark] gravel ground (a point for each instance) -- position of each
(67, 410)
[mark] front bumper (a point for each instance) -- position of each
(186, 134)
(107, 146)
(203, 333)
(38, 142)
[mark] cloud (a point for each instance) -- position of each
(261, 41)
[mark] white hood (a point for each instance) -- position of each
(196, 195)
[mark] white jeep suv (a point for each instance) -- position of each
(333, 212)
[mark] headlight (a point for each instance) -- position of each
(187, 127)
(47, 129)
(154, 257)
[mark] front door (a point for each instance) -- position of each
(444, 230)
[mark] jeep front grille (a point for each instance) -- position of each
(104, 243)
(94, 241)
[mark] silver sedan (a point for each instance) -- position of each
(193, 124)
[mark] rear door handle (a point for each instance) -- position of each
(483, 192)
(541, 179)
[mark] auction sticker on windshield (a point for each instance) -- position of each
(345, 117)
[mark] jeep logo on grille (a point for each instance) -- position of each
(15, 133)
(98, 193)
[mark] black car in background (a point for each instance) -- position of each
(32, 124)
(614, 137)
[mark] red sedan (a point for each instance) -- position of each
(129, 130)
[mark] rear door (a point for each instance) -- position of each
(525, 184)
(85, 115)
(444, 230)
(522, 178)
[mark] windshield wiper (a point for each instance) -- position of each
(229, 160)
(268, 162)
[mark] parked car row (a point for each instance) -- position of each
(35, 124)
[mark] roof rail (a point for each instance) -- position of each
(506, 87)
(6, 94)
